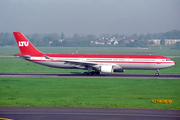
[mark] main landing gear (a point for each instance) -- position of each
(92, 73)
(157, 74)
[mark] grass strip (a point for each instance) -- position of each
(90, 92)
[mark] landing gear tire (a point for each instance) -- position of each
(85, 73)
(97, 73)
(157, 74)
(92, 73)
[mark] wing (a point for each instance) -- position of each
(73, 62)
(85, 63)
(82, 63)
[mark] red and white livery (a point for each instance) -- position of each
(95, 64)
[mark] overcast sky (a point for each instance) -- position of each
(89, 16)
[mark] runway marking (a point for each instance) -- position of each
(91, 114)
(5, 119)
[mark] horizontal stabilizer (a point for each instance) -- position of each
(23, 56)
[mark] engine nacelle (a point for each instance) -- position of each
(107, 69)
(119, 70)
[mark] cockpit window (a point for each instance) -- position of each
(168, 59)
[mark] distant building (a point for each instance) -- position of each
(116, 43)
(92, 42)
(132, 40)
(50, 42)
(60, 40)
(99, 43)
(109, 43)
(126, 41)
(171, 41)
(156, 41)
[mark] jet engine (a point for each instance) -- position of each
(107, 69)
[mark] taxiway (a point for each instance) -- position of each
(69, 75)
(78, 113)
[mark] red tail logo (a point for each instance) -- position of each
(23, 43)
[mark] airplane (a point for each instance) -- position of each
(95, 64)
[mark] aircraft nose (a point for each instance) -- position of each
(173, 63)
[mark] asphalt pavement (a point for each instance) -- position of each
(79, 113)
(80, 75)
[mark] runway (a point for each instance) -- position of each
(78, 113)
(69, 75)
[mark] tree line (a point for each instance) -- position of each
(77, 40)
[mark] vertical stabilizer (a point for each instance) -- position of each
(25, 45)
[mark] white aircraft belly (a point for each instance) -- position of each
(137, 65)
(148, 66)
(54, 64)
